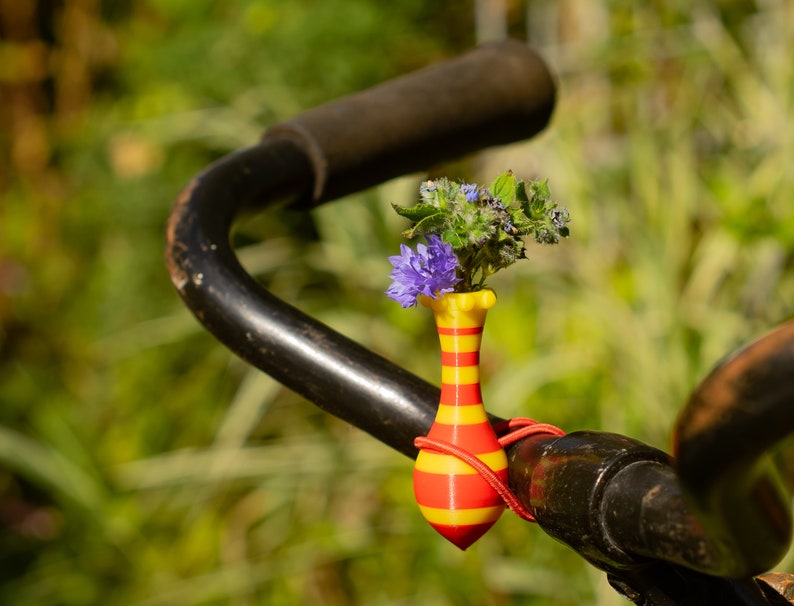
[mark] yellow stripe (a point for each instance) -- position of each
(460, 415)
(461, 517)
(461, 301)
(460, 318)
(459, 343)
(432, 462)
(460, 375)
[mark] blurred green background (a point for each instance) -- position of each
(141, 463)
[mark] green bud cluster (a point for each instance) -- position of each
(486, 227)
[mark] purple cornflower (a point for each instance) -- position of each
(429, 271)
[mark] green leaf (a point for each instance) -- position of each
(521, 221)
(504, 188)
(539, 195)
(417, 212)
(429, 225)
(451, 237)
(521, 192)
(539, 191)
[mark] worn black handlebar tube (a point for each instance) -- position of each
(496, 94)
(328, 369)
(725, 443)
(619, 504)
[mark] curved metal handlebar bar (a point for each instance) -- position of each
(724, 445)
(496, 94)
(618, 502)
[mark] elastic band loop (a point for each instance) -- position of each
(520, 428)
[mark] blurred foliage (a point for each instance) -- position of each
(140, 463)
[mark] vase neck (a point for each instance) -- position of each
(460, 318)
(460, 341)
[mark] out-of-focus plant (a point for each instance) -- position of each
(141, 463)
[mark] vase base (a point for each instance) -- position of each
(463, 537)
(462, 527)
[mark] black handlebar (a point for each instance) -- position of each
(493, 95)
(496, 94)
(621, 504)
(725, 448)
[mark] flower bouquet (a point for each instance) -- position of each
(470, 233)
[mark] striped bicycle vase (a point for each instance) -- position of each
(451, 495)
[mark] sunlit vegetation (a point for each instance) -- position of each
(141, 463)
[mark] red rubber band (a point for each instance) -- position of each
(521, 428)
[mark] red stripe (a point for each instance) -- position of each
(460, 394)
(477, 439)
(464, 491)
(460, 358)
(463, 536)
(474, 330)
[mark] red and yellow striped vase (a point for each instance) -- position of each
(452, 496)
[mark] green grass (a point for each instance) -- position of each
(141, 463)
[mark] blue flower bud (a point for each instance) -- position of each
(471, 191)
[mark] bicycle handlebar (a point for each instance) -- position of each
(620, 505)
(724, 446)
(493, 95)
(496, 94)
(720, 506)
